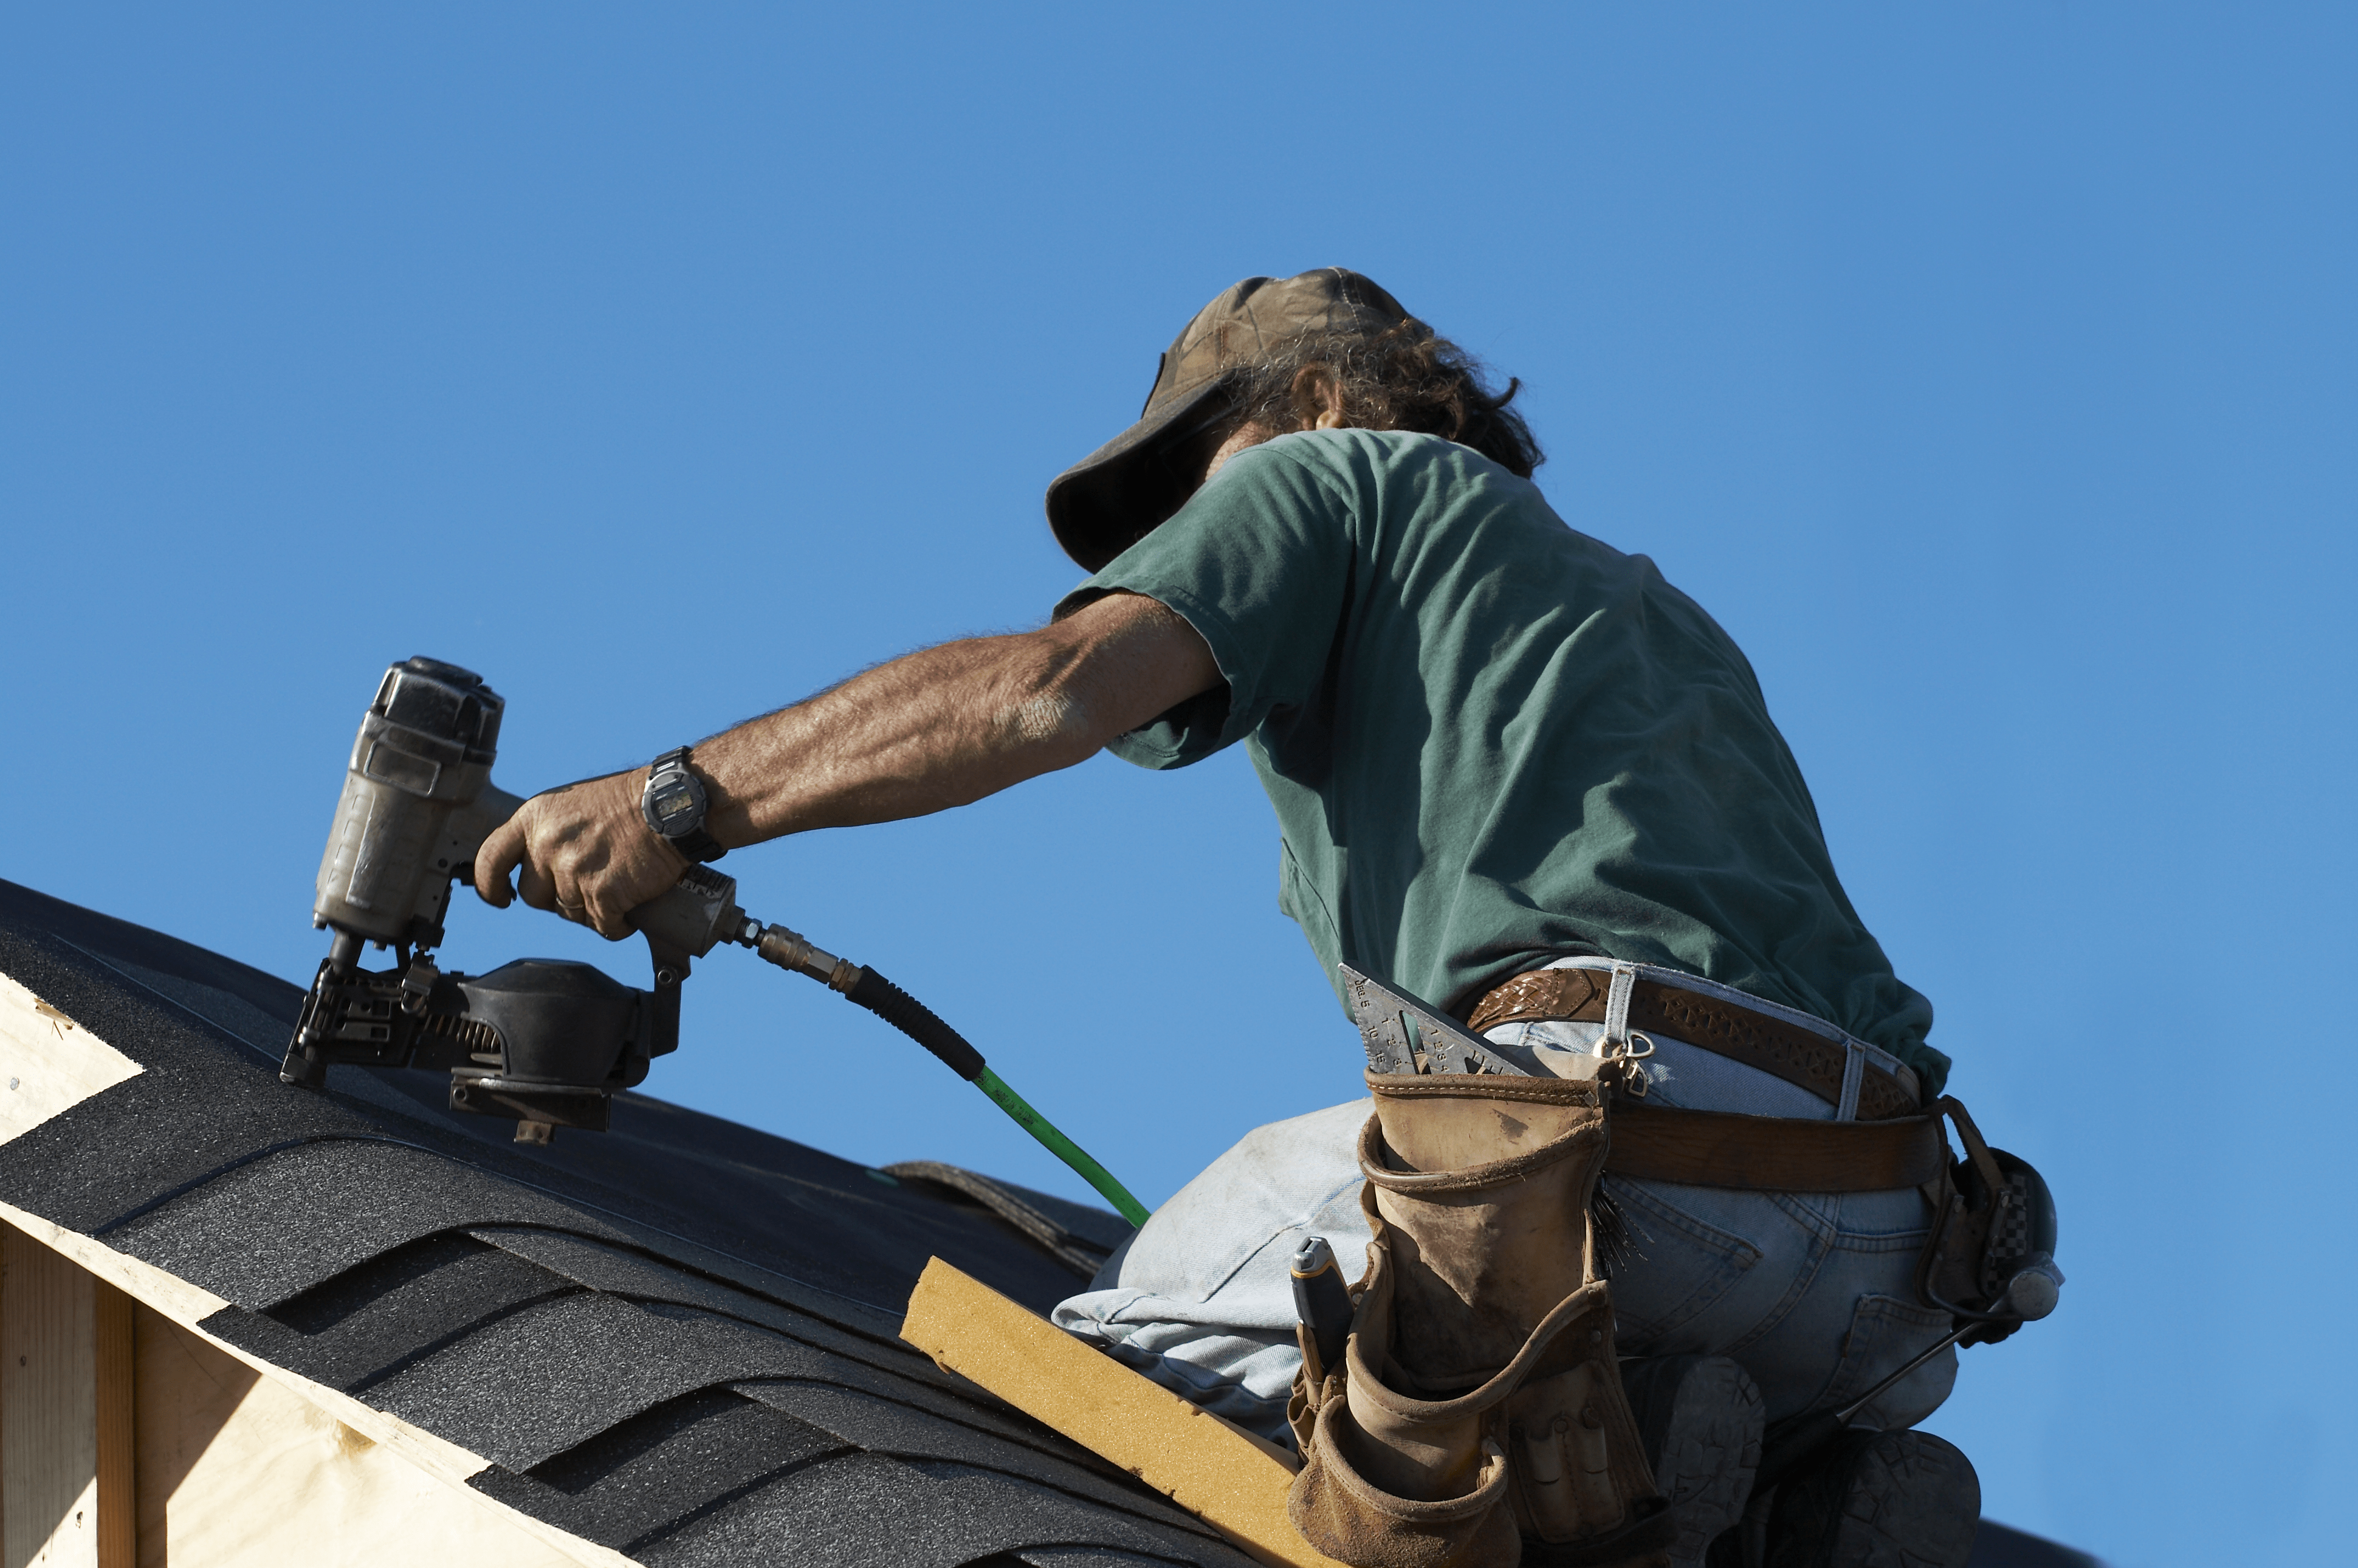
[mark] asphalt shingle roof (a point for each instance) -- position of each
(676, 1338)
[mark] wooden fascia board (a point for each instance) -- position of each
(187, 1305)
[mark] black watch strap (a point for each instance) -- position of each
(695, 843)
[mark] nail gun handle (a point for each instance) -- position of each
(697, 911)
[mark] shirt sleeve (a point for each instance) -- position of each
(1258, 562)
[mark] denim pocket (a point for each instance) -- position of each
(1885, 1333)
(1676, 1266)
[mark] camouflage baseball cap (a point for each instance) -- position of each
(1103, 504)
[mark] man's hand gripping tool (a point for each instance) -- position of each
(542, 1040)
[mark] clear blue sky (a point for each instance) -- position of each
(1987, 371)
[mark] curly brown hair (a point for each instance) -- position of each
(1407, 377)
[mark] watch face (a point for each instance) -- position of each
(675, 804)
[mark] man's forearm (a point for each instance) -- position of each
(934, 729)
(950, 724)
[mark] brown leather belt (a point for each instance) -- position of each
(1773, 1154)
(1755, 1039)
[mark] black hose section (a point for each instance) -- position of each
(915, 1020)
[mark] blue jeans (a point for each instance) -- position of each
(1812, 1293)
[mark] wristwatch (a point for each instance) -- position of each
(674, 803)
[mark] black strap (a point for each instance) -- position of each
(695, 843)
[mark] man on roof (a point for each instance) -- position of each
(1518, 776)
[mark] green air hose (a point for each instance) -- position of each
(1062, 1147)
(920, 1023)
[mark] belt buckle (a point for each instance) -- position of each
(1626, 1063)
(1618, 1044)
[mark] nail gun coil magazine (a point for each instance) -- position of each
(542, 1040)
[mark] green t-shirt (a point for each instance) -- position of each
(1492, 741)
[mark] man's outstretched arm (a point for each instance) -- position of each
(932, 730)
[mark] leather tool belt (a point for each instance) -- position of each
(1988, 1257)
(1751, 1035)
(1893, 1143)
(1774, 1153)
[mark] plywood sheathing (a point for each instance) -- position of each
(48, 1063)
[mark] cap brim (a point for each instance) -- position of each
(1104, 503)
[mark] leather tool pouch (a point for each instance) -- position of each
(1993, 1218)
(1479, 1419)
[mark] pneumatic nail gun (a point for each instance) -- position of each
(543, 1040)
